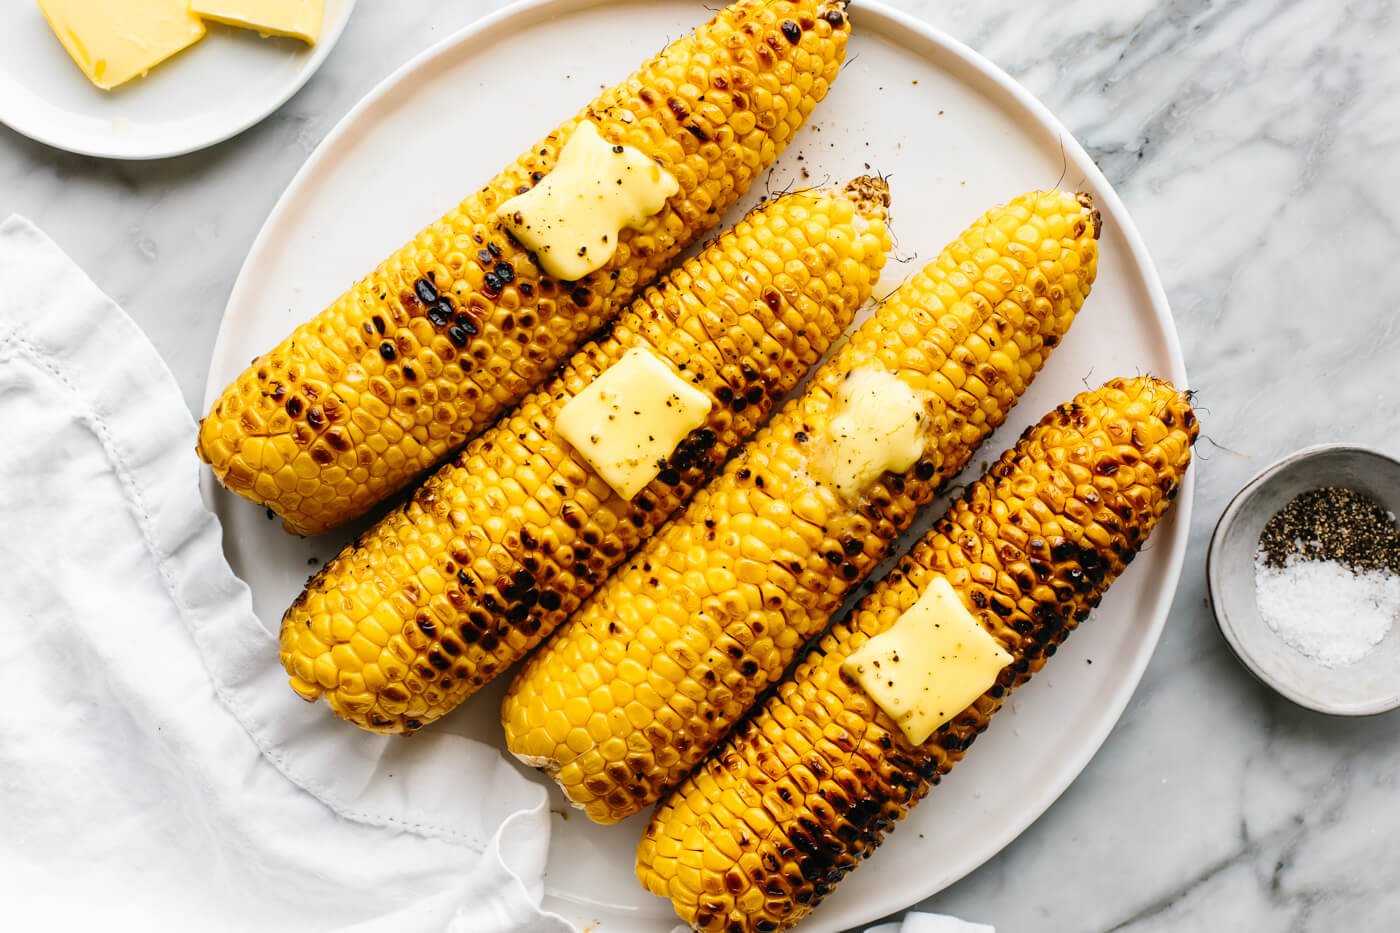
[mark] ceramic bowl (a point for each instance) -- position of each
(1371, 685)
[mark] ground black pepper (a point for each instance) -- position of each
(1333, 523)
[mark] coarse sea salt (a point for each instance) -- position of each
(1324, 609)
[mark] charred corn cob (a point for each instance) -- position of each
(461, 322)
(501, 545)
(809, 786)
(636, 689)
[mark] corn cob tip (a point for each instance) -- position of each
(1086, 201)
(871, 196)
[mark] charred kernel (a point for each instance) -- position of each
(440, 314)
(791, 31)
(386, 350)
(378, 324)
(458, 335)
(505, 272)
(427, 292)
(494, 282)
(293, 406)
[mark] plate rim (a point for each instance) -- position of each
(320, 52)
(1137, 253)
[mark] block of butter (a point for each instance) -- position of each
(930, 665)
(571, 219)
(877, 428)
(114, 41)
(631, 418)
(299, 19)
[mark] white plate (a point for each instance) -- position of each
(225, 83)
(956, 136)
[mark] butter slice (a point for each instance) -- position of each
(114, 41)
(571, 219)
(299, 19)
(877, 428)
(631, 418)
(930, 665)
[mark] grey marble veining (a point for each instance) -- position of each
(1254, 141)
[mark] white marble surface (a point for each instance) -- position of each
(1253, 140)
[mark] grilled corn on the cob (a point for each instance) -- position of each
(501, 545)
(809, 786)
(460, 323)
(640, 685)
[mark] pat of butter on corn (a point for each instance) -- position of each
(113, 41)
(631, 418)
(298, 19)
(571, 219)
(877, 429)
(930, 665)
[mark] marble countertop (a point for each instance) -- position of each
(1253, 141)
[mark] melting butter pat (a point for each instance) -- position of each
(930, 665)
(631, 418)
(114, 41)
(299, 19)
(571, 219)
(877, 428)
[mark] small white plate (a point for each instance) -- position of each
(955, 136)
(226, 82)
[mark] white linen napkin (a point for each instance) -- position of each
(931, 923)
(156, 772)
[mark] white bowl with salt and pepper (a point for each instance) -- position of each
(1317, 660)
